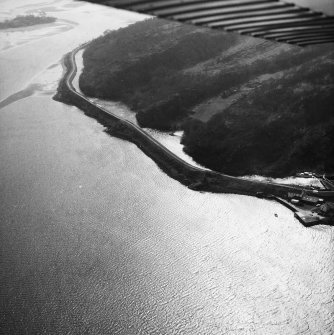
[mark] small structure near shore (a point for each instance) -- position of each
(311, 200)
(305, 174)
(309, 210)
(303, 198)
(310, 219)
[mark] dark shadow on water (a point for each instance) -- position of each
(52, 66)
(27, 92)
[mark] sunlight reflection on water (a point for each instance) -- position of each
(97, 239)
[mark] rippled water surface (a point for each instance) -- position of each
(96, 239)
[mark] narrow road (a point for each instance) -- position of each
(69, 82)
(259, 185)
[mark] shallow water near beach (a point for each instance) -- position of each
(96, 239)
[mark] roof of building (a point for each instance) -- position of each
(310, 198)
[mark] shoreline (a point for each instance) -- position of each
(188, 175)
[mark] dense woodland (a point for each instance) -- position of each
(25, 21)
(283, 126)
(163, 70)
